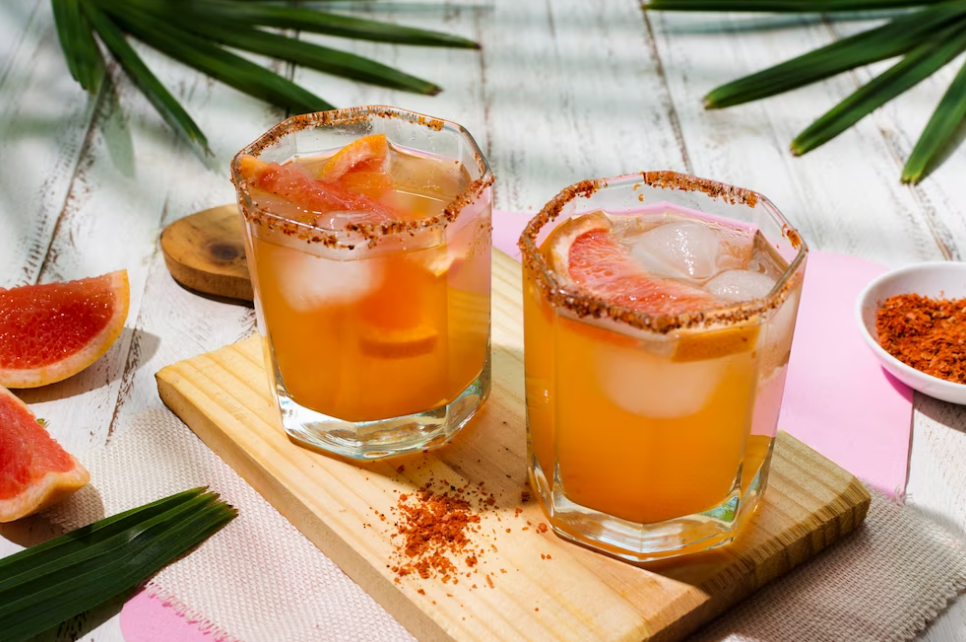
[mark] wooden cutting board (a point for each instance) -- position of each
(543, 588)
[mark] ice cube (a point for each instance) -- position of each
(307, 281)
(776, 347)
(689, 249)
(740, 285)
(653, 386)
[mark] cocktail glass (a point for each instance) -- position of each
(376, 331)
(650, 436)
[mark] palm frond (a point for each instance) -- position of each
(918, 65)
(891, 39)
(268, 14)
(83, 57)
(928, 38)
(47, 584)
(939, 131)
(162, 100)
(220, 64)
(198, 33)
(785, 6)
(338, 63)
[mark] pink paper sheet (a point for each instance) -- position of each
(838, 400)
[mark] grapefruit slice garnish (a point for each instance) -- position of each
(35, 471)
(53, 331)
(399, 343)
(585, 252)
(369, 154)
(294, 184)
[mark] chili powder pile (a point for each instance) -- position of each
(435, 527)
(927, 334)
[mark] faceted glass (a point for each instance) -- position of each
(650, 435)
(376, 331)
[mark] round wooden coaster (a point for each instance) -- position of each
(206, 252)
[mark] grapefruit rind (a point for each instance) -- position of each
(294, 184)
(89, 353)
(53, 487)
(562, 238)
(369, 151)
(401, 343)
(583, 253)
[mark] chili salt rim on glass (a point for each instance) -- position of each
(366, 232)
(583, 304)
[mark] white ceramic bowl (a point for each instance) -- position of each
(943, 279)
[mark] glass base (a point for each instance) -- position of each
(636, 542)
(368, 440)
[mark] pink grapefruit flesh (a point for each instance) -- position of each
(354, 180)
(598, 264)
(35, 471)
(53, 331)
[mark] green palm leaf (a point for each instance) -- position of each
(891, 39)
(220, 64)
(338, 63)
(286, 17)
(162, 100)
(928, 39)
(922, 62)
(785, 6)
(47, 584)
(83, 57)
(949, 115)
(197, 32)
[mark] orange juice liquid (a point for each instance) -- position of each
(384, 331)
(646, 428)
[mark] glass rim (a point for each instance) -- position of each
(368, 232)
(564, 295)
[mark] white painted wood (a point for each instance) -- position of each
(562, 90)
(845, 197)
(44, 117)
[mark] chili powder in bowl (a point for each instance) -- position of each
(914, 319)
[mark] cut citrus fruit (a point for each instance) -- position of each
(53, 331)
(296, 185)
(401, 343)
(35, 471)
(366, 154)
(584, 251)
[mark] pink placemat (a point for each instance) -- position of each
(838, 400)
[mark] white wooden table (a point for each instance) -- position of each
(561, 91)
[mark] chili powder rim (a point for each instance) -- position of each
(562, 295)
(369, 232)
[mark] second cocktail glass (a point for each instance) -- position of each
(368, 240)
(659, 310)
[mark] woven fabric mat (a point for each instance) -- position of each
(259, 579)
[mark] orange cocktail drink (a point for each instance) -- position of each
(658, 319)
(368, 241)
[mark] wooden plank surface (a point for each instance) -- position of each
(561, 91)
(551, 589)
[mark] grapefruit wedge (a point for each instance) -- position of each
(366, 154)
(296, 185)
(35, 471)
(53, 331)
(585, 251)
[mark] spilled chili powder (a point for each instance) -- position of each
(434, 528)
(926, 334)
